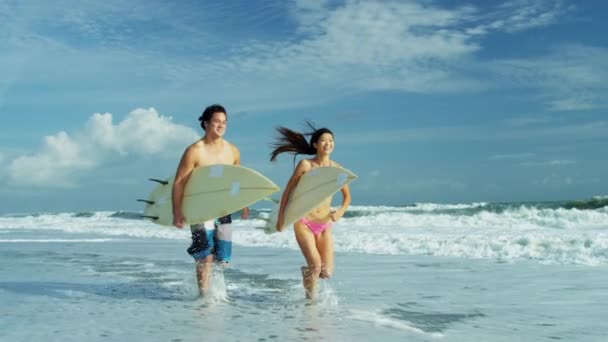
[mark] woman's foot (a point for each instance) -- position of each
(309, 282)
(324, 274)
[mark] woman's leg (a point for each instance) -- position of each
(308, 246)
(325, 246)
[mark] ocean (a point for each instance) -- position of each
(420, 272)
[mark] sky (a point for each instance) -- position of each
(430, 101)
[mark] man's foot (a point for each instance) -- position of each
(223, 264)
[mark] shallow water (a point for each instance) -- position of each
(145, 289)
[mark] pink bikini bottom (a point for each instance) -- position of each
(316, 227)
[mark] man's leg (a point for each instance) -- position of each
(223, 240)
(203, 273)
(201, 250)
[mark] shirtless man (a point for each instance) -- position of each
(211, 240)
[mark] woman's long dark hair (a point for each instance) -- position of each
(293, 142)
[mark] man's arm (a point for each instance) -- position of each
(186, 165)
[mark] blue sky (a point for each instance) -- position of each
(430, 101)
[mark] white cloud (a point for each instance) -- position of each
(63, 157)
(528, 121)
(421, 134)
(365, 45)
(528, 156)
(2, 167)
(308, 13)
(570, 78)
(426, 185)
(54, 165)
(552, 163)
(560, 162)
(557, 180)
(583, 130)
(418, 47)
(339, 47)
(574, 102)
(142, 132)
(511, 156)
(519, 15)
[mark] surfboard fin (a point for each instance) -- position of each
(154, 218)
(163, 182)
(145, 201)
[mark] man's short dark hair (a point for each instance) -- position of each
(208, 113)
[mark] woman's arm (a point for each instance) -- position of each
(336, 215)
(302, 168)
(237, 161)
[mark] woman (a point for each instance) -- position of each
(313, 231)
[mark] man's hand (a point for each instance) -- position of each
(179, 220)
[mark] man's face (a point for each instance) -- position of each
(217, 124)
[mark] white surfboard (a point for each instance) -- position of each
(211, 192)
(313, 187)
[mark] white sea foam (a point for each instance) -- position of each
(518, 233)
(545, 235)
(54, 240)
(418, 207)
(382, 320)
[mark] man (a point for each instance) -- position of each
(210, 240)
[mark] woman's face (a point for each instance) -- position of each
(325, 144)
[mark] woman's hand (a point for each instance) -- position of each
(335, 215)
(245, 213)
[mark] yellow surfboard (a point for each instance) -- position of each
(211, 192)
(314, 186)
